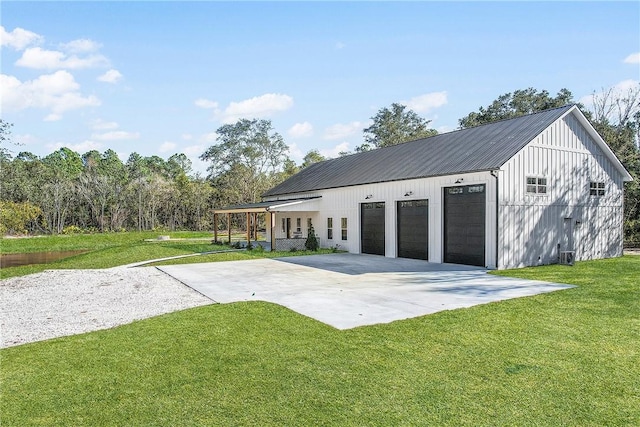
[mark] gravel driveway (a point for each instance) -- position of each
(57, 303)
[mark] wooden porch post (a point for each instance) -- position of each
(248, 228)
(272, 220)
(255, 226)
(229, 226)
(215, 227)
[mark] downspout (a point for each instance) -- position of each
(494, 173)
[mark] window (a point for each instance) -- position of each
(298, 225)
(596, 188)
(308, 223)
(284, 226)
(330, 228)
(536, 185)
(343, 222)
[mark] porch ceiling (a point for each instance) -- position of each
(272, 206)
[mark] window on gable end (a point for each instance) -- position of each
(536, 185)
(596, 188)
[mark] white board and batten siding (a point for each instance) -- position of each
(522, 228)
(345, 202)
(533, 227)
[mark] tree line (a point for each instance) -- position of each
(67, 192)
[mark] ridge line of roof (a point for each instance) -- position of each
(567, 106)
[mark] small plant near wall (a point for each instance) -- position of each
(312, 241)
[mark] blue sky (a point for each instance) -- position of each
(159, 78)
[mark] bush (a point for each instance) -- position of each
(312, 241)
(72, 229)
(18, 218)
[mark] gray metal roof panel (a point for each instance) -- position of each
(485, 147)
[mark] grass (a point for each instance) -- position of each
(564, 358)
(109, 250)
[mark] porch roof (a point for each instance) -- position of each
(272, 206)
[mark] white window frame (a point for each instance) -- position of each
(597, 189)
(537, 185)
(343, 227)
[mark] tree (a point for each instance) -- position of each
(248, 155)
(395, 125)
(64, 166)
(616, 117)
(518, 103)
(313, 156)
(5, 138)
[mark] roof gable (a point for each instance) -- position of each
(481, 148)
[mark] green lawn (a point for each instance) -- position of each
(565, 358)
(113, 249)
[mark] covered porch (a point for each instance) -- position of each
(289, 238)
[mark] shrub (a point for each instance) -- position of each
(312, 241)
(18, 217)
(72, 229)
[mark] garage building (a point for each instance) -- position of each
(519, 192)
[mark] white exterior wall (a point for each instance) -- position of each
(345, 203)
(532, 226)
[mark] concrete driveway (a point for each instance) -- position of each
(348, 290)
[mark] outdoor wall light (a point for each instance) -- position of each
(459, 180)
(408, 193)
(369, 196)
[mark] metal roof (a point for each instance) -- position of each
(480, 148)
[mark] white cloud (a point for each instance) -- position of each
(300, 130)
(53, 117)
(38, 58)
(57, 92)
(208, 137)
(19, 38)
(620, 90)
(340, 45)
(295, 153)
(205, 103)
(427, 102)
(116, 135)
(81, 147)
(187, 136)
(193, 152)
(340, 131)
(111, 76)
(335, 151)
(256, 107)
(81, 46)
(634, 58)
(167, 146)
(26, 139)
(102, 125)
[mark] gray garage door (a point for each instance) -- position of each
(372, 228)
(413, 229)
(464, 225)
